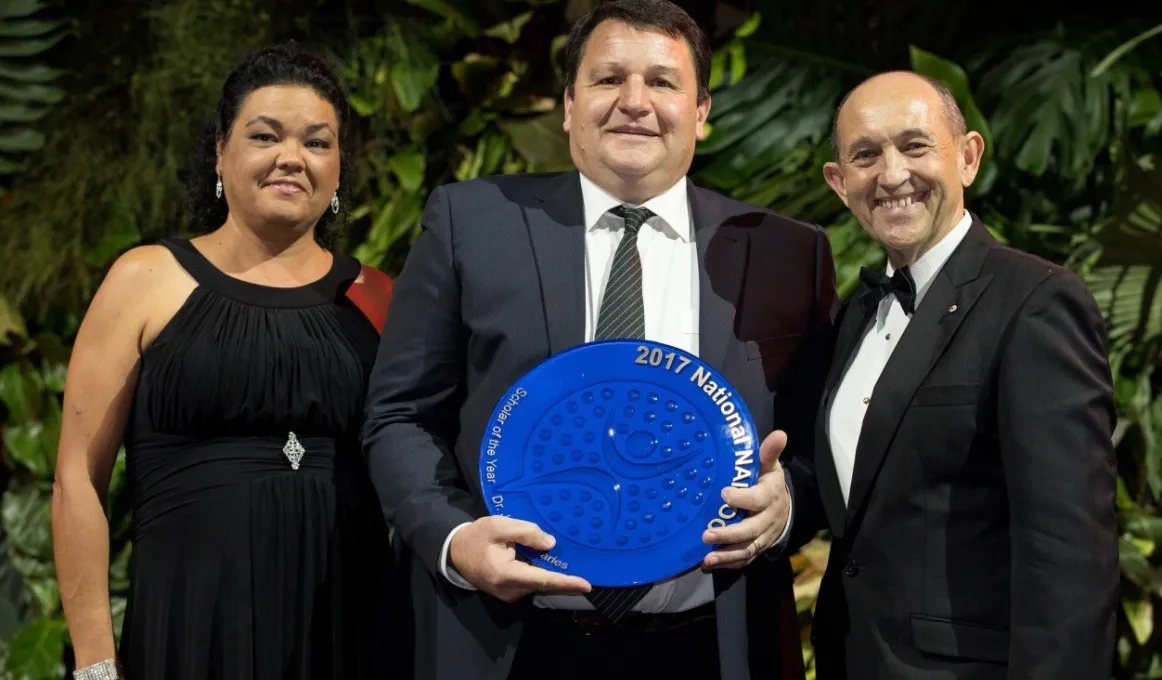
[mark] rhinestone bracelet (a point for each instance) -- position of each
(104, 670)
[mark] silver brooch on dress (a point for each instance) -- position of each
(293, 451)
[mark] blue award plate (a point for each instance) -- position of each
(620, 450)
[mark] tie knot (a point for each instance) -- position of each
(634, 217)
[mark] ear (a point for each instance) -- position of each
(834, 176)
(218, 157)
(568, 111)
(971, 151)
(700, 118)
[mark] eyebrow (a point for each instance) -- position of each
(277, 124)
(272, 122)
(910, 133)
(614, 66)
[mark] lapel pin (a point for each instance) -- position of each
(952, 309)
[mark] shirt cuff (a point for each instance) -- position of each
(790, 514)
(780, 545)
(447, 570)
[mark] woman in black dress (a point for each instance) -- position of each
(233, 367)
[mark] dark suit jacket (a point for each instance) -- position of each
(494, 286)
(979, 540)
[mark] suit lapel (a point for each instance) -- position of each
(557, 232)
(722, 256)
(721, 266)
(947, 303)
(851, 326)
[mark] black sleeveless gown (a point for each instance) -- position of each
(251, 561)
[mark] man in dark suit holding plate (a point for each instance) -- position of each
(512, 270)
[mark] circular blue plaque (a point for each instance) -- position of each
(619, 449)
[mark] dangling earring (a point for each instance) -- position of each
(218, 188)
(335, 203)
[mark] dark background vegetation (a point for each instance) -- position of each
(100, 101)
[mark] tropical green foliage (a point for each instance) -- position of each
(447, 90)
(26, 87)
(31, 384)
(491, 108)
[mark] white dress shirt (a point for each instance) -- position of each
(848, 407)
(669, 258)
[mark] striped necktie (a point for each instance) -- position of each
(622, 316)
(622, 308)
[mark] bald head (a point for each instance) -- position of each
(902, 84)
(903, 161)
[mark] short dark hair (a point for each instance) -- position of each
(952, 113)
(285, 64)
(658, 15)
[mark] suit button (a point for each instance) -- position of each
(852, 569)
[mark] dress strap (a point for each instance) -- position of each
(190, 259)
(327, 289)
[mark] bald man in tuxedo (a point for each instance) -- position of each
(963, 444)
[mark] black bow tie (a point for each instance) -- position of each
(875, 286)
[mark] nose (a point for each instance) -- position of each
(290, 156)
(896, 170)
(633, 99)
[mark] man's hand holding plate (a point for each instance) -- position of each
(767, 504)
(618, 448)
(484, 553)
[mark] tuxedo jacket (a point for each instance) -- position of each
(493, 287)
(979, 539)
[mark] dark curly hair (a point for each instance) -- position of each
(286, 64)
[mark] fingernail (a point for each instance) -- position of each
(551, 541)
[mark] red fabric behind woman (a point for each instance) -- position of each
(371, 293)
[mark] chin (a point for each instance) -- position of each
(901, 224)
(284, 210)
(632, 162)
(288, 218)
(903, 238)
(632, 171)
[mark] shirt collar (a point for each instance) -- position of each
(672, 206)
(924, 270)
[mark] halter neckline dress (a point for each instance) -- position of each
(259, 549)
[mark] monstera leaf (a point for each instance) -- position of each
(26, 93)
(1048, 113)
(769, 135)
(1127, 277)
(758, 120)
